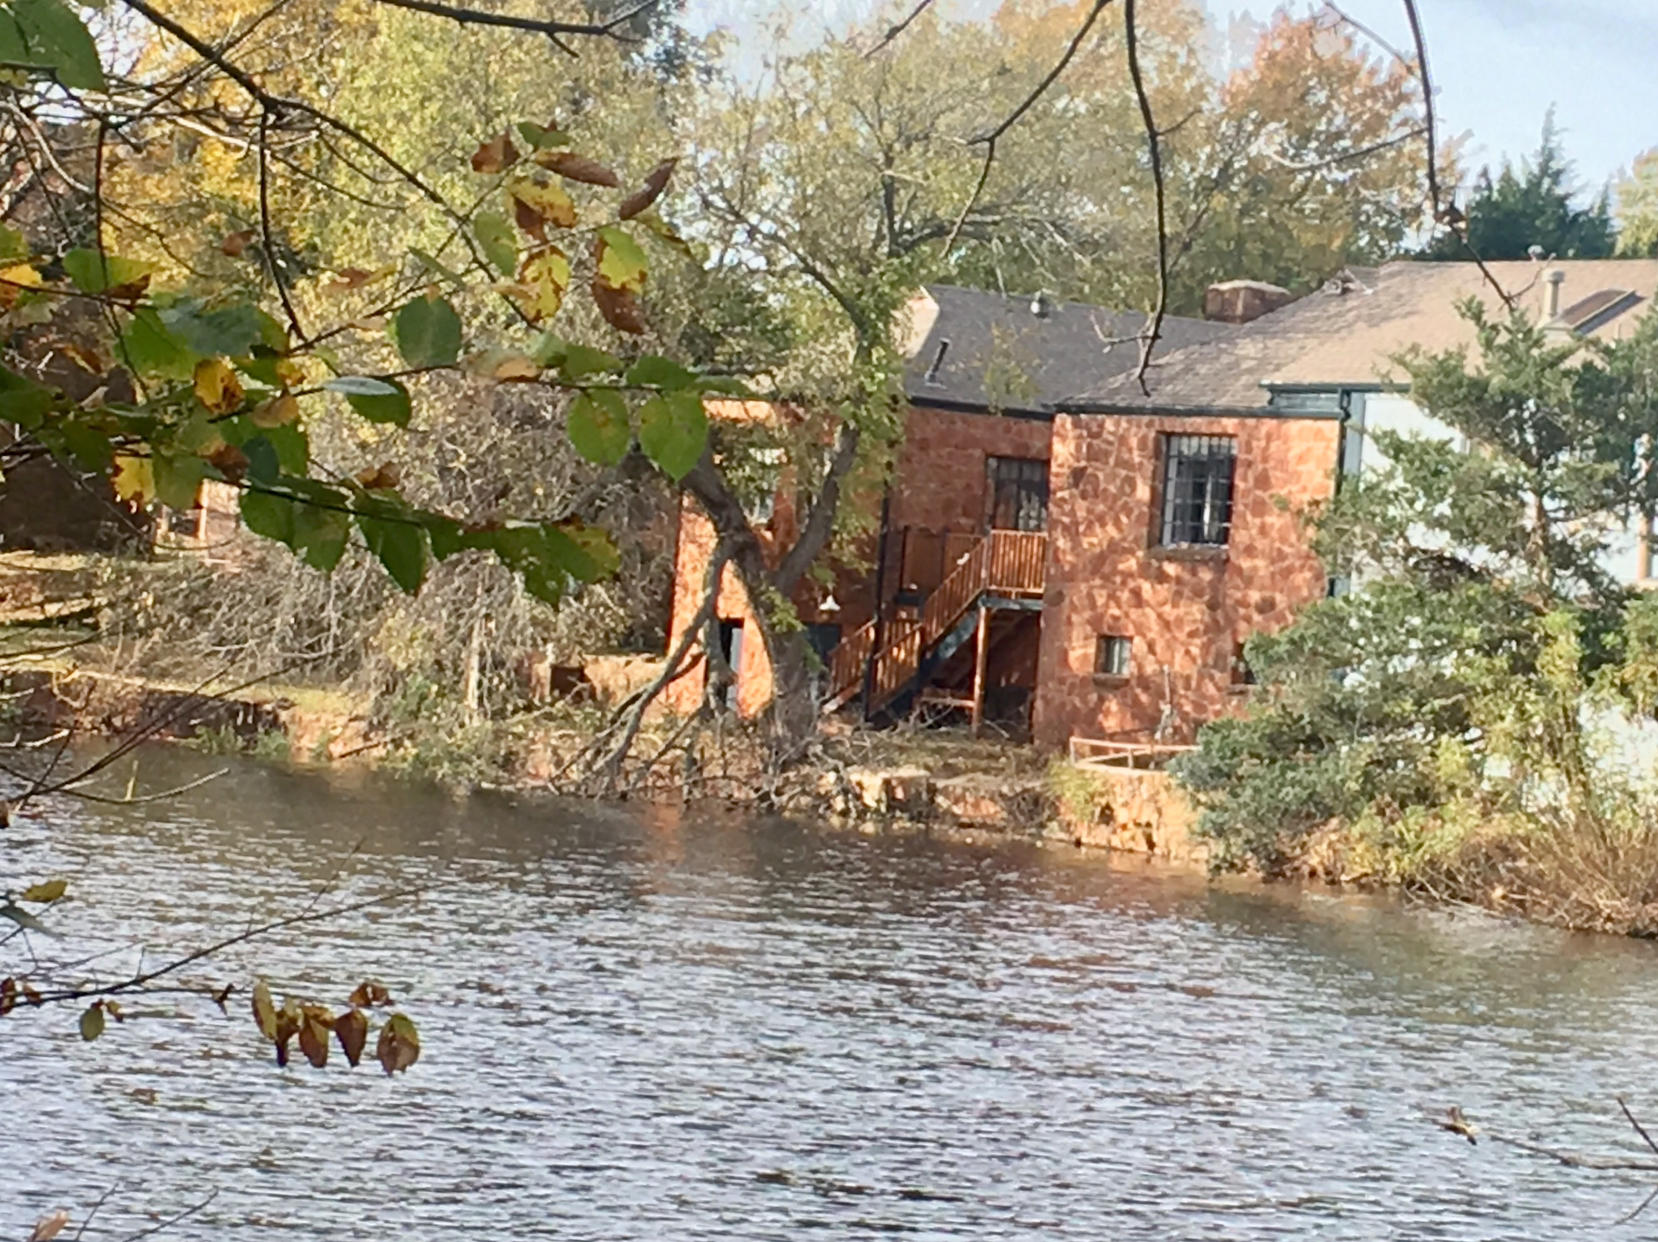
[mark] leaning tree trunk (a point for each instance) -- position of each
(791, 720)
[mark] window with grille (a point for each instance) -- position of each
(1113, 655)
(1197, 490)
(1018, 493)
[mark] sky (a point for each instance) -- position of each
(1497, 65)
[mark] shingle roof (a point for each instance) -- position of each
(1349, 331)
(1003, 356)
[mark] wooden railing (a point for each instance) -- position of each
(1090, 752)
(1004, 562)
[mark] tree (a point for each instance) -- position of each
(1534, 205)
(1446, 689)
(1308, 161)
(1637, 203)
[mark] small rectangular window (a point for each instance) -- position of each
(1113, 655)
(1242, 674)
(1197, 490)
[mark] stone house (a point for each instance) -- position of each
(1071, 553)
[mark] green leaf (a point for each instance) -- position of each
(655, 371)
(542, 138)
(428, 333)
(320, 534)
(264, 463)
(574, 362)
(270, 514)
(92, 1022)
(498, 239)
(289, 443)
(55, 37)
(437, 268)
(89, 445)
(673, 431)
(227, 331)
(12, 245)
(622, 261)
(95, 273)
(178, 479)
(22, 401)
(150, 348)
(392, 406)
(359, 386)
(46, 890)
(391, 532)
(20, 916)
(599, 428)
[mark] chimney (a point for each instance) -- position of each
(1239, 301)
(1551, 294)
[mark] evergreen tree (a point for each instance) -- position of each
(1532, 205)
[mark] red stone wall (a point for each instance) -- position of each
(1185, 610)
(940, 481)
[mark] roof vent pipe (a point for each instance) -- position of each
(938, 360)
(1041, 305)
(1551, 295)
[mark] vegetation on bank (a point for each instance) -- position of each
(1474, 716)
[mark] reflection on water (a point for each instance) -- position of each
(638, 1027)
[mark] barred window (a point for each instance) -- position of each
(1113, 655)
(1197, 489)
(1018, 493)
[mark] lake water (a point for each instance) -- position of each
(642, 1026)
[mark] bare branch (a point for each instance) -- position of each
(535, 25)
(898, 28)
(267, 233)
(1154, 327)
(988, 139)
(1440, 211)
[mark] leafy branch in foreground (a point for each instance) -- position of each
(161, 389)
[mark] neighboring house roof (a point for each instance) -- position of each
(1348, 332)
(999, 354)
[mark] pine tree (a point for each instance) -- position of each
(1532, 205)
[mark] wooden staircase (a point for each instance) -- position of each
(1003, 569)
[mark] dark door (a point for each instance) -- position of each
(1018, 493)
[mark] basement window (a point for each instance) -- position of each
(1197, 490)
(1113, 655)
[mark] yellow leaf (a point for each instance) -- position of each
(49, 1226)
(537, 203)
(542, 280)
(47, 890)
(620, 260)
(13, 282)
(264, 1009)
(277, 412)
(216, 386)
(134, 479)
(399, 1044)
(290, 373)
